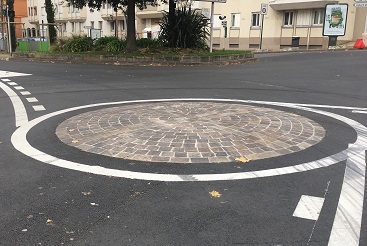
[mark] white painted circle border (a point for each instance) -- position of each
(19, 141)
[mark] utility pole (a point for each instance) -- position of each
(9, 31)
(2, 19)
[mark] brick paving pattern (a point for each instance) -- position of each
(190, 132)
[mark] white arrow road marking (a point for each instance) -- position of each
(348, 219)
(6, 74)
(20, 112)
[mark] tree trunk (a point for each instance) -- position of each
(131, 38)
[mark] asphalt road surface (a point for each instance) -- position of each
(269, 153)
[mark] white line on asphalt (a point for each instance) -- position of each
(21, 116)
(12, 83)
(19, 88)
(348, 219)
(19, 141)
(309, 207)
(32, 99)
(5, 80)
(38, 108)
(5, 74)
(360, 111)
(25, 93)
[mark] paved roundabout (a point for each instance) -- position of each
(19, 140)
(190, 132)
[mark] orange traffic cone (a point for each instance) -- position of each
(359, 44)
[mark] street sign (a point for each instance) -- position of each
(264, 9)
(213, 1)
(357, 5)
(224, 23)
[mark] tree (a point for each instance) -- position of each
(50, 11)
(10, 4)
(118, 4)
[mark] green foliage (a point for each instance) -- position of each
(50, 11)
(102, 42)
(148, 43)
(188, 29)
(116, 45)
(78, 44)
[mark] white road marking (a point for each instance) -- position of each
(348, 219)
(12, 83)
(25, 93)
(32, 99)
(19, 141)
(359, 111)
(38, 108)
(5, 74)
(309, 207)
(19, 88)
(5, 80)
(20, 112)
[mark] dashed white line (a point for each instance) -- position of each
(38, 108)
(5, 80)
(12, 83)
(20, 112)
(309, 207)
(25, 93)
(19, 88)
(32, 99)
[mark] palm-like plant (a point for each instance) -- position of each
(188, 30)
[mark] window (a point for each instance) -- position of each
(56, 9)
(235, 20)
(100, 25)
(112, 26)
(92, 24)
(304, 17)
(35, 11)
(255, 19)
(42, 11)
(318, 17)
(288, 18)
(29, 12)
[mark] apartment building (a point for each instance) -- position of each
(284, 20)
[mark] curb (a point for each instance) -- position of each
(136, 60)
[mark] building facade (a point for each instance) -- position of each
(284, 20)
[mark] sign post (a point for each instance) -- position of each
(335, 22)
(212, 19)
(264, 11)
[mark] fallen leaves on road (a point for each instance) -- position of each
(30, 216)
(215, 193)
(75, 141)
(49, 221)
(24, 230)
(94, 204)
(242, 159)
(71, 130)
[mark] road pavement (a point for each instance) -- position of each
(270, 153)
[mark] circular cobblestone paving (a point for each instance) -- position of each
(190, 132)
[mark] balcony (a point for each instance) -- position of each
(151, 12)
(33, 20)
(299, 4)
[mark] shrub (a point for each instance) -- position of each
(116, 45)
(102, 42)
(78, 44)
(189, 29)
(148, 43)
(58, 46)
